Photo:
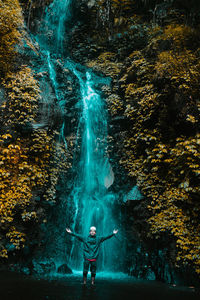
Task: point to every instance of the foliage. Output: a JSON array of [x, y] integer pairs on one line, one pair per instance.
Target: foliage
[[23, 93], [23, 159], [106, 62], [115, 104], [157, 90], [24, 153], [30, 157], [167, 170], [11, 21]]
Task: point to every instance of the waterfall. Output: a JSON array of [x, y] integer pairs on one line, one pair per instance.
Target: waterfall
[[93, 203]]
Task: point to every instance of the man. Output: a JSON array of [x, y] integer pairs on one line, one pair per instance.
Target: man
[[91, 250]]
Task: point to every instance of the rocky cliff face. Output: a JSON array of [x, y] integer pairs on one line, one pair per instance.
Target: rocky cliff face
[[151, 53], [31, 154]]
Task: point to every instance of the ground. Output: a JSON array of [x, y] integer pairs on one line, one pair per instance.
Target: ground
[[17, 287]]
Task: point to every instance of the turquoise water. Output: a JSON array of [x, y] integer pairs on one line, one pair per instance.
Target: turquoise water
[[94, 204], [100, 275]]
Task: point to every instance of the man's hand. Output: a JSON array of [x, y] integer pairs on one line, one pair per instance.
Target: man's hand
[[68, 230], [115, 231]]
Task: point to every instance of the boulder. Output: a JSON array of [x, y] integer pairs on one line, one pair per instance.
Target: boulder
[[64, 269], [43, 267]]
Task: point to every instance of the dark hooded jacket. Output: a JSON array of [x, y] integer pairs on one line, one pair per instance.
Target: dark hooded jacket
[[91, 244]]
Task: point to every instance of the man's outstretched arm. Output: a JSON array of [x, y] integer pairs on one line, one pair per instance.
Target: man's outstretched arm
[[103, 238], [78, 236]]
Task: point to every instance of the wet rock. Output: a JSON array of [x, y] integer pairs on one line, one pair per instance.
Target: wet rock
[[64, 269], [43, 268], [150, 275], [17, 268], [38, 198]]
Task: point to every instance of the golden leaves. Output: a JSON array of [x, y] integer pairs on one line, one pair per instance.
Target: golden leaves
[[115, 104], [19, 177], [4, 253], [11, 20], [178, 34], [106, 63], [15, 237], [24, 160], [23, 94], [165, 166]]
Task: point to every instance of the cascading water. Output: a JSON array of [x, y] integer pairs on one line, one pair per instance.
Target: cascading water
[[50, 39], [93, 203]]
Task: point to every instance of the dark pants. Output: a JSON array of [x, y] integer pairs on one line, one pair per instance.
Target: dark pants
[[89, 265]]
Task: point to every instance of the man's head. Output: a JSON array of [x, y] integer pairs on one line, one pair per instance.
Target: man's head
[[92, 230]]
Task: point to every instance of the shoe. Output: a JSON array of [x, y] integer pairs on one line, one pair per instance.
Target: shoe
[[92, 281]]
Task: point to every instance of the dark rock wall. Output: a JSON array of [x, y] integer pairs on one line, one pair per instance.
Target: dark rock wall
[[154, 114]]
